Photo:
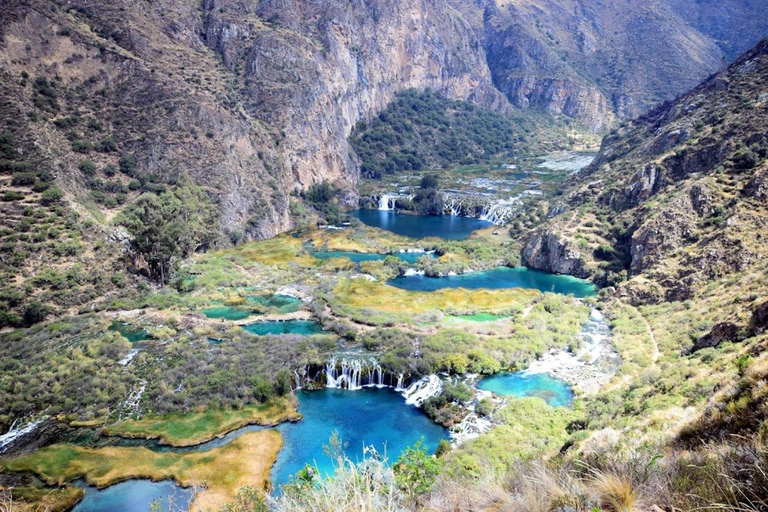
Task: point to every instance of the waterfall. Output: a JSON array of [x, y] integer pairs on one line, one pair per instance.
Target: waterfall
[[453, 205], [387, 202], [422, 389], [16, 432], [399, 385], [499, 212], [296, 380], [353, 373]]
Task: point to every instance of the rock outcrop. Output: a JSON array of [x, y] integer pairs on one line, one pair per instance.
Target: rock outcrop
[[546, 250], [724, 331]]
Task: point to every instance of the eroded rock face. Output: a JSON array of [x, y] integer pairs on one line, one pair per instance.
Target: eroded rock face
[[724, 331], [548, 251], [334, 64]]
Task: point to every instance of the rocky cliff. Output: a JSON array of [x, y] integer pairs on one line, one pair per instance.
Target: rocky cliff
[[676, 199]]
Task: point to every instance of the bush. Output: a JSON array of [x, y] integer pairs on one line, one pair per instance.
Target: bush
[[35, 313], [87, 167], [320, 193], [106, 146], [51, 196], [127, 165], [12, 195], [23, 179], [416, 471]]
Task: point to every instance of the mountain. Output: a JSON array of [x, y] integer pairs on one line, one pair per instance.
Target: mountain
[[674, 205], [255, 101]]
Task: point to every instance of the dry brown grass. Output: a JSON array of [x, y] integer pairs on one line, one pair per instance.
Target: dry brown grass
[[617, 493]]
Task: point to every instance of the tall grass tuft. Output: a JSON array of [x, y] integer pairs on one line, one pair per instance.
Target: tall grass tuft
[[617, 493]]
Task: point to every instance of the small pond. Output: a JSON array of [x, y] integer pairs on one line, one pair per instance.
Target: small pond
[[281, 303], [134, 496], [357, 257], [130, 332], [227, 313]]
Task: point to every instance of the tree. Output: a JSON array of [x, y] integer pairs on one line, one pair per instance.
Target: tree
[[415, 470], [170, 226], [429, 182]]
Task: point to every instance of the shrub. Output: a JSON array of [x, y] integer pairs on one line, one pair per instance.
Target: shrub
[[23, 179], [51, 196], [106, 146], [35, 313], [12, 195], [87, 167], [416, 471], [81, 146], [127, 165]]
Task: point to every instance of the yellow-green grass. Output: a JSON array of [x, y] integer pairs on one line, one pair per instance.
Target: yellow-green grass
[[361, 293], [359, 239], [197, 427], [35, 499], [219, 473], [280, 251]]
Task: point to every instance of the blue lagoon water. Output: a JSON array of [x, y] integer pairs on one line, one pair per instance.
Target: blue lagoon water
[[370, 416], [304, 327], [499, 278], [449, 227], [134, 496], [522, 384]]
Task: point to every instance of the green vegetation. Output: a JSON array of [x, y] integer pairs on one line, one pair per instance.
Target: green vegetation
[[197, 427], [72, 368], [170, 226], [416, 471], [322, 198], [426, 130]]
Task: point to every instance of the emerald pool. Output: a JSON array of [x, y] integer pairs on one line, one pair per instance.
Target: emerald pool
[[304, 327], [523, 384]]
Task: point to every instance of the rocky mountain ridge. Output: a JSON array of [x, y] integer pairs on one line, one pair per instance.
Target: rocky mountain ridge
[[675, 200]]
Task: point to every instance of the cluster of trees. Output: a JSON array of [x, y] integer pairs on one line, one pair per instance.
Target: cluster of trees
[[69, 367], [321, 197], [169, 226], [428, 200], [426, 130]]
